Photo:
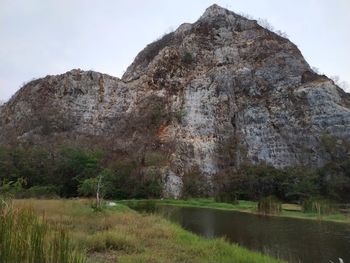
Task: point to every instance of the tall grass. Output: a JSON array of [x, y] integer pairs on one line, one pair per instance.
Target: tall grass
[[319, 206], [27, 238], [269, 206], [119, 234]]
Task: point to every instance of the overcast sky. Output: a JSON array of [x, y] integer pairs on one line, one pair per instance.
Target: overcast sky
[[41, 37]]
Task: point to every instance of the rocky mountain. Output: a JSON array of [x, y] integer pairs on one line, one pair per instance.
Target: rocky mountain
[[210, 94]]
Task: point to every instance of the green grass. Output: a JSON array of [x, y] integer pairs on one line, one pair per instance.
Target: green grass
[[288, 210], [119, 234], [28, 238]]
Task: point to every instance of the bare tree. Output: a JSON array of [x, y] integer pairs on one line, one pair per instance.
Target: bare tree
[[266, 24], [316, 70], [336, 79], [98, 191], [246, 16], [345, 86], [342, 84]]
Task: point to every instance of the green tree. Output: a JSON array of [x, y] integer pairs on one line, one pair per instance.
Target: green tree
[[300, 183], [73, 167], [194, 184]]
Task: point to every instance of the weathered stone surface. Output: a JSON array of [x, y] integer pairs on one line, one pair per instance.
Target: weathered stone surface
[[223, 80]]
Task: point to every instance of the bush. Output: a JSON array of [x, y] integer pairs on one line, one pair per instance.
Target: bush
[[269, 206], [49, 191], [12, 188], [180, 115], [187, 58]]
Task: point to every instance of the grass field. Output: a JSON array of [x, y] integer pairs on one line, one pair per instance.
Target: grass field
[[119, 234], [288, 210]]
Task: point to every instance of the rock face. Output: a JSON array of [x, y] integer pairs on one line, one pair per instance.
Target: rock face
[[211, 94]]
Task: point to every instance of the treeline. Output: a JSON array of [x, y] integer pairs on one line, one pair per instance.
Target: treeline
[[69, 172], [291, 184]]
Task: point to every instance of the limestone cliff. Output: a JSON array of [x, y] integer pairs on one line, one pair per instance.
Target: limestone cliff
[[211, 94]]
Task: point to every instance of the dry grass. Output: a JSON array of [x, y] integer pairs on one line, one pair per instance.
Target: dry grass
[[120, 234], [291, 207]]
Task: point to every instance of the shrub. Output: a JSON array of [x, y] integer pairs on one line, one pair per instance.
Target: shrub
[[154, 158], [180, 115], [12, 188], [269, 206], [49, 191], [187, 58]]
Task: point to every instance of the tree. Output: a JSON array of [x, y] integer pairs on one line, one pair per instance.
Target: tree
[[300, 183], [88, 187], [95, 187], [316, 70], [148, 183], [194, 184], [345, 86], [342, 84], [266, 24], [73, 167]]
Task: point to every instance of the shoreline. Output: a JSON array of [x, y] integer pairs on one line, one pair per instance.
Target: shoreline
[[247, 207]]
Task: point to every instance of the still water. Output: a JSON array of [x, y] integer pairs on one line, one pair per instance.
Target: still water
[[294, 240]]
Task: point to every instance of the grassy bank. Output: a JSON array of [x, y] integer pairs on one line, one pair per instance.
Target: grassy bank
[[288, 210], [119, 234]]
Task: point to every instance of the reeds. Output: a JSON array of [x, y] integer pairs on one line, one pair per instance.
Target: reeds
[[269, 206], [26, 237], [320, 206]]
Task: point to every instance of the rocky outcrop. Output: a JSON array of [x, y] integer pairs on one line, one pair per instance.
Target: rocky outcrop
[[210, 94]]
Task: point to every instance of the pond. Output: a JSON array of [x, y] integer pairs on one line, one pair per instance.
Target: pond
[[294, 240]]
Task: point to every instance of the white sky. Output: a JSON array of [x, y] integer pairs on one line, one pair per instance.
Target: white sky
[[41, 37]]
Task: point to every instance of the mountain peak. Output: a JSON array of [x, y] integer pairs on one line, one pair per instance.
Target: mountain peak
[[215, 11]]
